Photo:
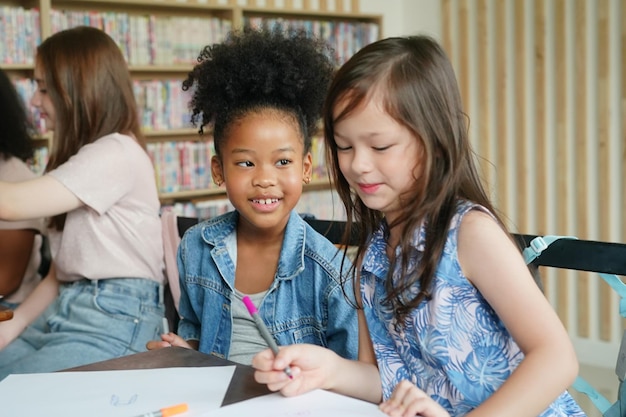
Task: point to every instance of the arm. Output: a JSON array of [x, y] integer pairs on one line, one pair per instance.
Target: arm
[[364, 370], [40, 197], [494, 265], [35, 304], [16, 247]]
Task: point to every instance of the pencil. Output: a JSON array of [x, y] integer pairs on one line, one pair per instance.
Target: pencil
[[167, 411], [263, 330]]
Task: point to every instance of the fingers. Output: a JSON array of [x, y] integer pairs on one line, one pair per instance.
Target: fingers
[[264, 360], [175, 340], [407, 400], [168, 340], [157, 344], [267, 371], [270, 369]]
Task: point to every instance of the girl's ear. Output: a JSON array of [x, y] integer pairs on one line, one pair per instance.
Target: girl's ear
[[216, 171], [307, 167]]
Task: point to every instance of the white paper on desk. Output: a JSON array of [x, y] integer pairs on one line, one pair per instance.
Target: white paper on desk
[[126, 393], [316, 403]]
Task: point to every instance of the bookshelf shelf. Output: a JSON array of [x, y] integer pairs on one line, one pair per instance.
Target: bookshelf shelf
[[161, 135], [207, 193], [154, 67]]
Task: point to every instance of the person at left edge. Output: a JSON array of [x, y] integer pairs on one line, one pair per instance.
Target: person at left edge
[[20, 242], [104, 295]]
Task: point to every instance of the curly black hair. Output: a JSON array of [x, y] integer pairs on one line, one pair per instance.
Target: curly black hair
[[258, 68], [15, 125]]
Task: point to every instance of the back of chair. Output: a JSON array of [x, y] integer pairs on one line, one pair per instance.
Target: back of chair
[[581, 255]]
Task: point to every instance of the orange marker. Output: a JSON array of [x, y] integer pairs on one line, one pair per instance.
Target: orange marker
[[167, 411]]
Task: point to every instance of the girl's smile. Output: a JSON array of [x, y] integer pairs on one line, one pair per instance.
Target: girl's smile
[[369, 188], [265, 204]]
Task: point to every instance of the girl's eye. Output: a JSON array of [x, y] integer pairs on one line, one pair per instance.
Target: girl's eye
[[343, 148], [43, 91], [284, 162], [244, 164], [381, 148]]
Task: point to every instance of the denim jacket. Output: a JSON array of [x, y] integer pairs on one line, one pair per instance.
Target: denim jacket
[[304, 304]]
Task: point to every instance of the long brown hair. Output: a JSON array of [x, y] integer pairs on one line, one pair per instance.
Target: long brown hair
[[91, 90], [420, 92]]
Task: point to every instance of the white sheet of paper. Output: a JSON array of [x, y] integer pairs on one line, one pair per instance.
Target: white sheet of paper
[[316, 403], [126, 393]]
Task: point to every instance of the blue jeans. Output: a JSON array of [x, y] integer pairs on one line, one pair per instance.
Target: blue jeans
[[90, 321]]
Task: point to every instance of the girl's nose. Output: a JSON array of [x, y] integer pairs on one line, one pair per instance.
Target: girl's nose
[[264, 178], [360, 161], [35, 99]]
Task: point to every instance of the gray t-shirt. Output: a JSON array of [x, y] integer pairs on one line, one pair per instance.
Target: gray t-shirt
[[246, 341]]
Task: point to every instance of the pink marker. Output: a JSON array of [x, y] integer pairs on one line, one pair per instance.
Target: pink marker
[[263, 330]]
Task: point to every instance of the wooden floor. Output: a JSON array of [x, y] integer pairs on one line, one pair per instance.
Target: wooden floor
[[602, 379]]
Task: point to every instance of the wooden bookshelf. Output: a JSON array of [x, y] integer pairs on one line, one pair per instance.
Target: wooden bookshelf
[[157, 64]]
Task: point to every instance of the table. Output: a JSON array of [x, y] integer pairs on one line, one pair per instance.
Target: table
[[242, 385]]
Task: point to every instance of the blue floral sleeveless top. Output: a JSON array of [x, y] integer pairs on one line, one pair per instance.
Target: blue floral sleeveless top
[[454, 346]]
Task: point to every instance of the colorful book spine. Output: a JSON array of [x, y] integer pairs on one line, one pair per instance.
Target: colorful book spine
[[182, 166]]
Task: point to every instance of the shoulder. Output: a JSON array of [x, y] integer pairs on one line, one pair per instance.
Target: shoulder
[[214, 228], [14, 169], [482, 241], [119, 142]]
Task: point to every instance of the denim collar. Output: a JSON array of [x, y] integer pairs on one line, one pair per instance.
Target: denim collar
[[291, 261]]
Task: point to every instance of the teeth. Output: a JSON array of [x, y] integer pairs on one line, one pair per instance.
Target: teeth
[[266, 201]]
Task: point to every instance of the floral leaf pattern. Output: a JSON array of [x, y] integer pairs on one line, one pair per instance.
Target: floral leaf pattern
[[453, 346]]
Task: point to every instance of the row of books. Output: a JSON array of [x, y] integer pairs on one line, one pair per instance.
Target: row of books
[[149, 39], [345, 37], [162, 104], [200, 210], [21, 33], [182, 166]]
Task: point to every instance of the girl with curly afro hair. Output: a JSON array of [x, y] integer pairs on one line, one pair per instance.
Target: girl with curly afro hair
[[261, 92]]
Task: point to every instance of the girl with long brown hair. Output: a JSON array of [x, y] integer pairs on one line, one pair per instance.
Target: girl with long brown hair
[[104, 295]]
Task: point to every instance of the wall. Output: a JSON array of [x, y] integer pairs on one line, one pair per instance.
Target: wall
[[406, 17]]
